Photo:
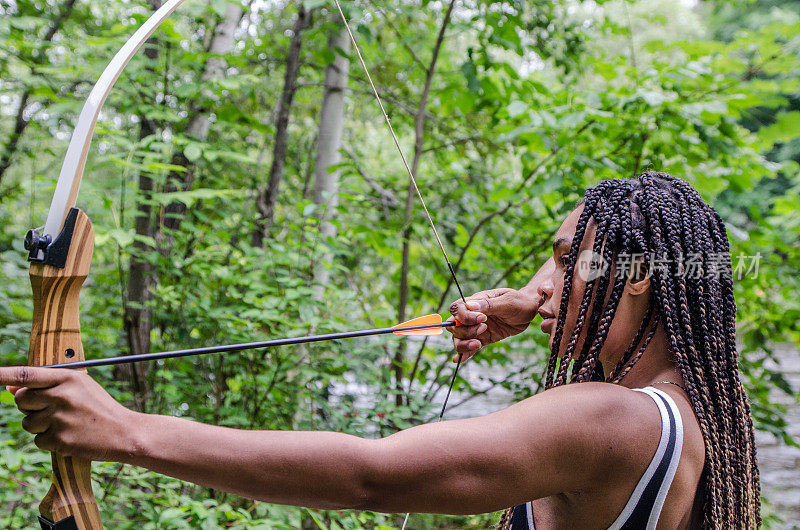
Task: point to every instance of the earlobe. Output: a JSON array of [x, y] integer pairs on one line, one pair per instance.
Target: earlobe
[[637, 286]]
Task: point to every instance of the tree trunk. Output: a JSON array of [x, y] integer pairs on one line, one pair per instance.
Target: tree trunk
[[200, 123], [136, 320], [419, 138], [20, 123], [268, 195], [329, 144]]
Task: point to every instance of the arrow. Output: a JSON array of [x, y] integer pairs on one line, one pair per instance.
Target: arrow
[[420, 326]]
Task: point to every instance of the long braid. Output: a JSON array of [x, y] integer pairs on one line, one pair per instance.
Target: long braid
[[580, 230], [601, 326], [702, 315], [606, 224], [665, 219]]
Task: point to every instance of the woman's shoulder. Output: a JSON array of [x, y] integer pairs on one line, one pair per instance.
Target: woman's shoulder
[[571, 438], [630, 433], [618, 406], [624, 425], [610, 428]]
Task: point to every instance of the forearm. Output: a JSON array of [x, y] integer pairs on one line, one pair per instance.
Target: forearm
[[313, 469], [433, 468]]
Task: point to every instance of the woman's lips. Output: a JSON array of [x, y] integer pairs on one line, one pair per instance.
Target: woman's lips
[[547, 325]]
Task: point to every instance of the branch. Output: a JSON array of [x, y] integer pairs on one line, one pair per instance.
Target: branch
[[386, 197]]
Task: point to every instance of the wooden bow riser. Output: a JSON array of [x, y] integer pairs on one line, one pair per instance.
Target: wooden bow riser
[[55, 339]]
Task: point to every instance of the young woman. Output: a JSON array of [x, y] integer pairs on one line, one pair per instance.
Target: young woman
[[638, 302]]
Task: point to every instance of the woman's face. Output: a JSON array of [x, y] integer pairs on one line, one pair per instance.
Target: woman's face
[[629, 313]]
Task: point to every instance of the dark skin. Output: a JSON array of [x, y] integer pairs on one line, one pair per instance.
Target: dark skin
[[578, 450]]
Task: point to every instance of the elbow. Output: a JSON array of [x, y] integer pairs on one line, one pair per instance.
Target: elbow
[[375, 481], [364, 498], [363, 494]]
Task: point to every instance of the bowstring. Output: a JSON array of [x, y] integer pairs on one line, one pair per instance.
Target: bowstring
[[419, 194]]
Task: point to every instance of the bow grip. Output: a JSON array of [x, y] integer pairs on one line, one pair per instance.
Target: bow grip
[[56, 338]]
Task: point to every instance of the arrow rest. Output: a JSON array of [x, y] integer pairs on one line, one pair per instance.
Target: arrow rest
[[65, 524], [42, 250]]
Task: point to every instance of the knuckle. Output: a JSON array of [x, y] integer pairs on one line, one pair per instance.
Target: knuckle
[[24, 375], [63, 439], [59, 394], [56, 445], [59, 421], [20, 398], [71, 377], [42, 441], [54, 395], [27, 423]]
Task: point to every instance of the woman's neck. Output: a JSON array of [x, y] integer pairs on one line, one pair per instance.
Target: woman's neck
[[656, 364]]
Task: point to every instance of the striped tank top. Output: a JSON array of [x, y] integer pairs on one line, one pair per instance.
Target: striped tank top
[[645, 503]]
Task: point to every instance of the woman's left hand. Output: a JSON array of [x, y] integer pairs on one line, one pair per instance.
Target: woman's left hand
[[70, 413]]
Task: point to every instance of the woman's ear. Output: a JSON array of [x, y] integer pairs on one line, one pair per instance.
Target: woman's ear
[[639, 282]]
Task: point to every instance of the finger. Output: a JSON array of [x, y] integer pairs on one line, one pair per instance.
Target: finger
[[464, 356], [37, 422], [484, 301], [33, 377], [468, 332], [464, 315], [13, 389], [467, 346], [46, 441], [502, 302], [31, 400]]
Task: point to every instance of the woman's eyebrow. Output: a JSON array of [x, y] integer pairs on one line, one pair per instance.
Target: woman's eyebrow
[[561, 241]]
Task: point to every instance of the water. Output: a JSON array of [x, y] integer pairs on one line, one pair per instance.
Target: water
[[779, 464]]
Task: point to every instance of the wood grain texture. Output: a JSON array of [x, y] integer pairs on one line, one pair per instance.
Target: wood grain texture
[[56, 338]]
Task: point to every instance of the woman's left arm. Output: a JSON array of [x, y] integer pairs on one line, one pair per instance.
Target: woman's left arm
[[527, 451]]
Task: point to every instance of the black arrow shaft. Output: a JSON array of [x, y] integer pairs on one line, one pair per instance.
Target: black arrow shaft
[[126, 359]]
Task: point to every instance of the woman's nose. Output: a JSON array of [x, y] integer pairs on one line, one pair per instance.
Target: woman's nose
[[545, 290]]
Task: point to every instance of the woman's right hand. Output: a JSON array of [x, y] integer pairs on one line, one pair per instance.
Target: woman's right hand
[[490, 316]]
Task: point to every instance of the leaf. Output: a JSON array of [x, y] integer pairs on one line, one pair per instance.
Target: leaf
[[309, 209], [311, 4], [784, 129], [516, 108], [193, 152], [652, 98], [189, 198]]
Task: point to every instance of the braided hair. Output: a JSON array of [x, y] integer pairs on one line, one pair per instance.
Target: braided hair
[[685, 246]]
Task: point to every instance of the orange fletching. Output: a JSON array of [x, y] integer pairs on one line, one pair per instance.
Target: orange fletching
[[434, 320]]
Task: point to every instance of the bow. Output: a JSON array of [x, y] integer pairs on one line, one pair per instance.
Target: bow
[[60, 253], [60, 256]]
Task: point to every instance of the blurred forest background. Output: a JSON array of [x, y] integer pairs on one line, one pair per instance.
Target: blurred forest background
[[243, 185]]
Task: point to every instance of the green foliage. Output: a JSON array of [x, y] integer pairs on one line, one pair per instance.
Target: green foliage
[[532, 102]]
